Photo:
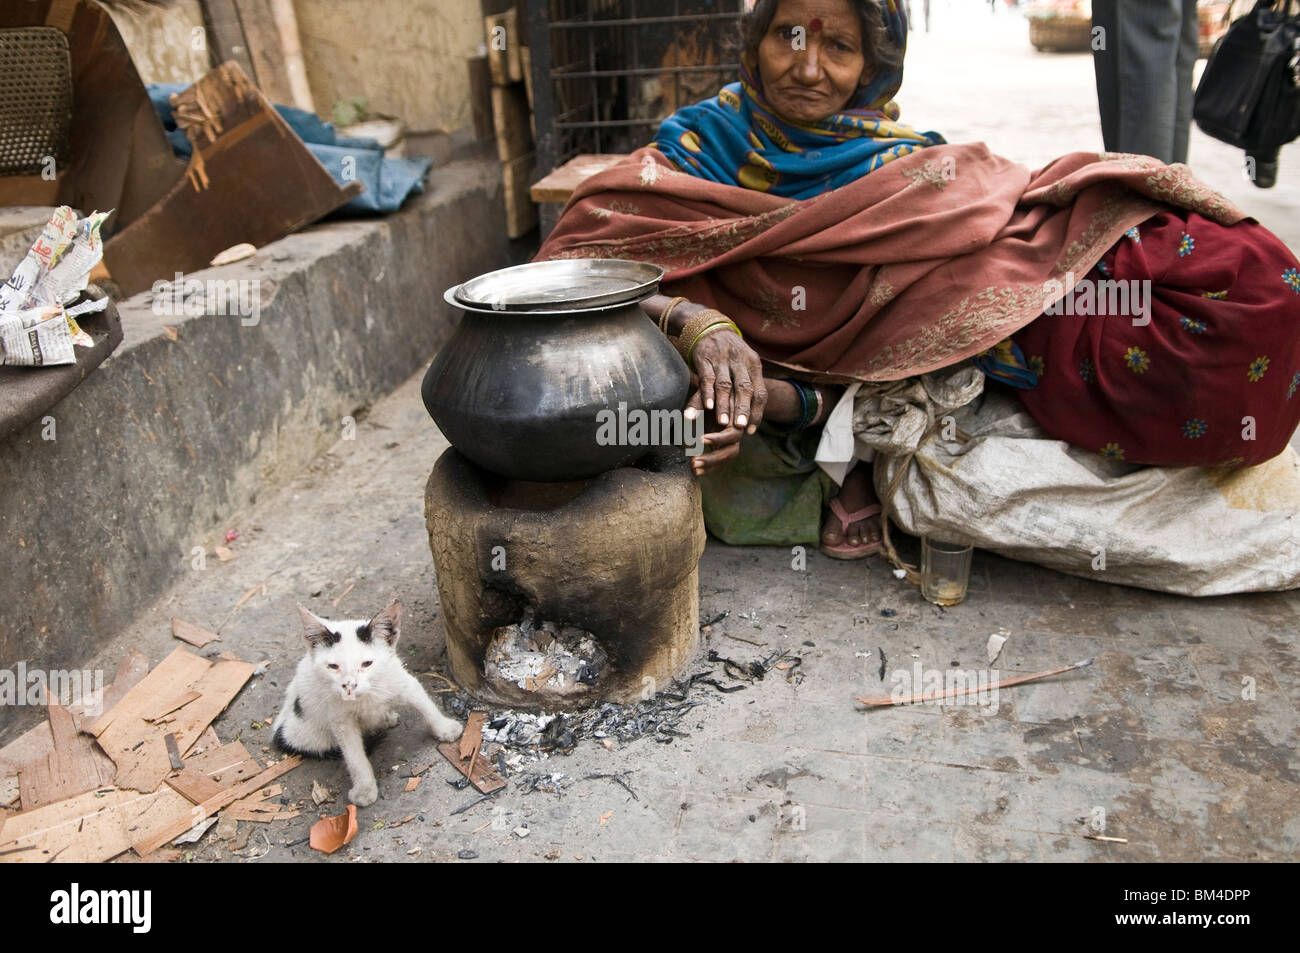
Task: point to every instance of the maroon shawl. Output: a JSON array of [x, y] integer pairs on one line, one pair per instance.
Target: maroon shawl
[[916, 266]]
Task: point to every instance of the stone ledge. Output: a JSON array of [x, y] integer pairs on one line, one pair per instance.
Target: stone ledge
[[171, 437]]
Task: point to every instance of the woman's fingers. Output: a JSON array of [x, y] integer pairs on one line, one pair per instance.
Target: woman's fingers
[[704, 368], [743, 397], [758, 406], [722, 447], [722, 387]]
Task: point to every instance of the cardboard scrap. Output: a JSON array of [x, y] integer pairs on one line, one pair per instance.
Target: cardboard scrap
[[331, 833], [195, 635], [412, 784]]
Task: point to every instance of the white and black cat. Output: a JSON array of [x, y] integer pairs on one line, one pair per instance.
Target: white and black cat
[[346, 691]]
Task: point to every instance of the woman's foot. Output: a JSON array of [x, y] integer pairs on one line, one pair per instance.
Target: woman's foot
[[852, 529]]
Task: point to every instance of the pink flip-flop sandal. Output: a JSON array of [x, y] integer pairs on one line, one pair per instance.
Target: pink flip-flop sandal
[[844, 550]]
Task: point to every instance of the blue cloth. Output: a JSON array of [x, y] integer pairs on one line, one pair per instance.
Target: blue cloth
[[388, 181], [1005, 362], [736, 138]]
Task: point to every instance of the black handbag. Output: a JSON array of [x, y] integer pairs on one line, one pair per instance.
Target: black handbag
[[1249, 94]]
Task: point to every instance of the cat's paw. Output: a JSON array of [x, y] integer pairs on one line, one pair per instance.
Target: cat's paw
[[364, 793], [392, 719], [446, 729]]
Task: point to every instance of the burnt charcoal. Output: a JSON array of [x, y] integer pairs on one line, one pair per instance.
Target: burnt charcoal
[[556, 736]]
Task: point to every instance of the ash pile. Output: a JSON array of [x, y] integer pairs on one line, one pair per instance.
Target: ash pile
[[513, 740], [561, 660]]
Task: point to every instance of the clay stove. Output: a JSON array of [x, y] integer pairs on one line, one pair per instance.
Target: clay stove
[[560, 595], [567, 565]]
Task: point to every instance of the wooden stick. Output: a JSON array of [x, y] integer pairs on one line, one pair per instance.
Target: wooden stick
[[886, 700]]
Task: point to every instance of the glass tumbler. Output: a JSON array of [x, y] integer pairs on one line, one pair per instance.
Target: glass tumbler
[[945, 570]]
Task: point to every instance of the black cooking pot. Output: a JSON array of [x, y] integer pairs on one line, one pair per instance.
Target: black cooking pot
[[541, 351]]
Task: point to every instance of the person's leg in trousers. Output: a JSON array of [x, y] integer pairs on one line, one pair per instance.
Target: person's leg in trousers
[[1186, 64], [1105, 63], [1141, 54]]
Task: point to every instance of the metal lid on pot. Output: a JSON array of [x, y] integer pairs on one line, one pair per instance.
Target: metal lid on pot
[[574, 285]]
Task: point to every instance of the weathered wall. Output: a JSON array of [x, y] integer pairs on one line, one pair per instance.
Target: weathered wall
[[407, 57], [162, 40], [179, 431]]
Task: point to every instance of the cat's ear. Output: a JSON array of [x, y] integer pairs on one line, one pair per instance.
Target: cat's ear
[[314, 630], [387, 624]]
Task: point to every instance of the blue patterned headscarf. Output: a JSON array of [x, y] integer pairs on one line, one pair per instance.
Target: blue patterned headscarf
[[736, 138]]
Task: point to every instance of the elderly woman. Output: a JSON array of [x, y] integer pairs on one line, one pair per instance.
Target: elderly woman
[[814, 245]]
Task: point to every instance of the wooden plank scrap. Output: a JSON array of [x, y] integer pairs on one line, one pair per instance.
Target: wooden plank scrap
[[38, 741], [510, 121], [503, 45], [218, 686], [248, 809], [225, 33], [167, 707], [70, 769], [195, 635], [195, 786], [558, 185], [89, 828], [101, 824], [463, 755], [266, 50], [226, 764], [521, 212], [135, 745], [471, 736], [480, 96], [173, 827]]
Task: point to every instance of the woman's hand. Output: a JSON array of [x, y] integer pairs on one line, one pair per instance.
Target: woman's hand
[[731, 385]]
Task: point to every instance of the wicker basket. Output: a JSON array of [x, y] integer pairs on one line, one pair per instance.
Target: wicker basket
[[1062, 33]]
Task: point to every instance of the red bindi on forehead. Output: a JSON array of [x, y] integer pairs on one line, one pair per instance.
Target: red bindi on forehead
[[816, 25]]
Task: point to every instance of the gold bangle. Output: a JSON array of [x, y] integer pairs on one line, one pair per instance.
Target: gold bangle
[[667, 313], [693, 326], [718, 326]]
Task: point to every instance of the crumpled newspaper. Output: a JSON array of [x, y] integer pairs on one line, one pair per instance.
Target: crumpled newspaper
[[37, 328]]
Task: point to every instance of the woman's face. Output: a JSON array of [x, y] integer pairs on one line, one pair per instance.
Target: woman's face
[[811, 59]]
